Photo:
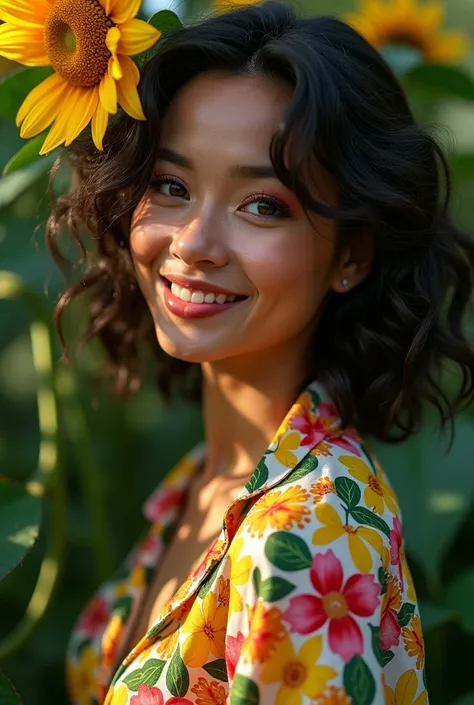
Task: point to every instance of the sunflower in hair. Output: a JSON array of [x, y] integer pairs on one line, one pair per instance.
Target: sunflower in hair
[[88, 43]]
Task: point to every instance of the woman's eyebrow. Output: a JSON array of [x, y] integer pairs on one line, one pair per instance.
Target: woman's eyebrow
[[238, 171]]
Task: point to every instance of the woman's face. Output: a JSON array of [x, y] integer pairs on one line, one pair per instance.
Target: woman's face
[[216, 225]]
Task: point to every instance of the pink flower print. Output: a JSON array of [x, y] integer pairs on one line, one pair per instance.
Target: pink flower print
[[160, 502], [325, 426], [233, 647], [95, 617], [154, 696], [396, 548], [336, 602]]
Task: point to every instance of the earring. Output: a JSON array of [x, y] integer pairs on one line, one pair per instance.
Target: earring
[[345, 283]]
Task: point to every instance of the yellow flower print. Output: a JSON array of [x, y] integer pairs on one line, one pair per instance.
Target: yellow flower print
[[117, 696], [333, 529], [266, 632], [405, 691], [167, 646], [284, 453], [322, 449], [322, 487], [239, 573], [223, 591], [413, 638], [206, 625], [333, 696], [82, 676], [279, 509], [378, 492], [298, 673]]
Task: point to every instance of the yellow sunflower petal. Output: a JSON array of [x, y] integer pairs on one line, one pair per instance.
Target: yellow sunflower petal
[[52, 85], [112, 41], [449, 47], [127, 91], [80, 117], [108, 91], [137, 36], [24, 13], [43, 114], [23, 44], [124, 10], [360, 554], [433, 16], [57, 134], [108, 6]]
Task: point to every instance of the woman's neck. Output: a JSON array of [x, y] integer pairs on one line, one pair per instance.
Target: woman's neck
[[244, 402]]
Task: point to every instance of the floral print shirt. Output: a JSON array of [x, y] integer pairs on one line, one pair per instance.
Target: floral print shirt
[[304, 599]]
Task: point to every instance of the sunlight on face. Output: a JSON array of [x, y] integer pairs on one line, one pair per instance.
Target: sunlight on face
[[215, 213]]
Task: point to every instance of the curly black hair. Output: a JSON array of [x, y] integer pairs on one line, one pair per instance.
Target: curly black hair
[[381, 348]]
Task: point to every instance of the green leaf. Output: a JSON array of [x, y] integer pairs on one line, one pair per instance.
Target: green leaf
[[28, 154], [15, 184], [359, 682], [315, 398], [383, 579], [441, 81], [348, 491], [459, 594], [15, 87], [165, 21], [8, 694], [177, 676], [365, 516], [207, 584], [274, 588], [287, 551], [462, 166], [434, 616], [405, 614], [20, 519], [382, 656], [244, 691], [123, 607], [259, 477], [257, 579], [147, 675], [308, 464], [217, 669]]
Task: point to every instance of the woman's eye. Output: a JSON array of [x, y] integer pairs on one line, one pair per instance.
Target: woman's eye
[[266, 208], [169, 187]]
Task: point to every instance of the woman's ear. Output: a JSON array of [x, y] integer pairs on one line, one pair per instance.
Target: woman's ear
[[354, 264]]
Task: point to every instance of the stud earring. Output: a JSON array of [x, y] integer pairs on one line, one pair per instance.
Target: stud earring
[[345, 283]]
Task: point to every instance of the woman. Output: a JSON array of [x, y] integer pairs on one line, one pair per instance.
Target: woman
[[279, 227]]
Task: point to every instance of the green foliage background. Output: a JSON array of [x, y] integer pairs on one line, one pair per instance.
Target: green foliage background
[[113, 454]]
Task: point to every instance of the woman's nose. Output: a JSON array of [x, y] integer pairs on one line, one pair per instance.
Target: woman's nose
[[199, 241]]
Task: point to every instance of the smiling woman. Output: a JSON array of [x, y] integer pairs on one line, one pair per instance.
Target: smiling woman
[[278, 229]]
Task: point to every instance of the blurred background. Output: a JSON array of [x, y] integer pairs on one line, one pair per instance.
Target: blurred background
[[113, 454]]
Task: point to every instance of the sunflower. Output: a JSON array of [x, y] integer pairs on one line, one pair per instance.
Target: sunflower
[[88, 43], [407, 23]]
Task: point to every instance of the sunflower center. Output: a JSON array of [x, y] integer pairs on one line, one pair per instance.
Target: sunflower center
[[335, 605], [374, 485], [74, 33], [295, 674]]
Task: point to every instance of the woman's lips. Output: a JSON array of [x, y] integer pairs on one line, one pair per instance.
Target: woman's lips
[[186, 309]]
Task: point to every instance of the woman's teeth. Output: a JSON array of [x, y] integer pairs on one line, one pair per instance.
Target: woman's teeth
[[199, 297]]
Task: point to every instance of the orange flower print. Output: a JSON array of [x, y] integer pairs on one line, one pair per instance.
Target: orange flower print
[[389, 626], [206, 625], [167, 646], [333, 696], [266, 631], [413, 638], [209, 693], [321, 488], [398, 558], [298, 672], [378, 492], [279, 510], [405, 691], [223, 591], [322, 449]]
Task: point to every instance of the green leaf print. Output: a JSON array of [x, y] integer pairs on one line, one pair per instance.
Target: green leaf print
[[257, 580], [308, 464], [208, 582], [287, 551], [273, 589], [259, 477], [365, 516], [217, 669], [147, 675], [348, 491], [405, 614], [244, 691], [359, 682], [383, 580], [382, 656], [315, 398], [177, 676]]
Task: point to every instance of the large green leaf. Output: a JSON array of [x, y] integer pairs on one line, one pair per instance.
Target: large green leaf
[[8, 694], [459, 599], [15, 87], [164, 20], [20, 518], [15, 184], [28, 154], [440, 82], [434, 487]]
